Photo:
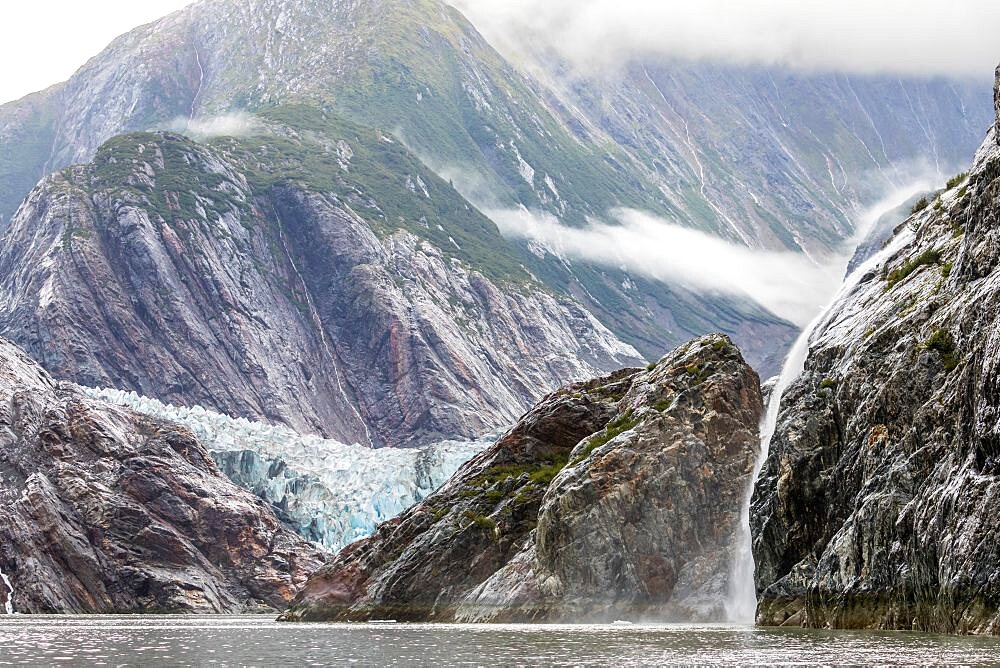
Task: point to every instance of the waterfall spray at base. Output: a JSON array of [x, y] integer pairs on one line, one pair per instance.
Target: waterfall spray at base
[[741, 603]]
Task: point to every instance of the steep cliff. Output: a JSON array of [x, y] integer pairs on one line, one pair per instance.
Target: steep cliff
[[301, 275], [615, 497], [103, 510], [877, 507]]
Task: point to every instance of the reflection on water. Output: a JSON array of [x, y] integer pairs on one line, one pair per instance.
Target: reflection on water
[[232, 641]]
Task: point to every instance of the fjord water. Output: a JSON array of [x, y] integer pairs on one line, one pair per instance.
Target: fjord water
[[257, 641]]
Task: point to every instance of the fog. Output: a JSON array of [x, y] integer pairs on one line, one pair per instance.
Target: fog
[[788, 284], [906, 37], [236, 124]]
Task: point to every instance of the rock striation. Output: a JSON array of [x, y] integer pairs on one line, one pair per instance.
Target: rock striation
[[877, 506], [103, 510], [327, 299], [617, 497]]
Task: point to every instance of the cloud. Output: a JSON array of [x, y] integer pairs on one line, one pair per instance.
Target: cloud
[[784, 283], [235, 124], [788, 284], [906, 37]]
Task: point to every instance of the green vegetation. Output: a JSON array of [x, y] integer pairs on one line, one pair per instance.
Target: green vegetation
[[482, 521], [919, 205], [827, 384], [615, 428], [955, 180], [946, 269], [943, 344], [370, 172], [539, 473], [70, 233], [182, 189], [662, 405], [700, 373], [381, 181], [929, 256], [25, 148], [650, 366]]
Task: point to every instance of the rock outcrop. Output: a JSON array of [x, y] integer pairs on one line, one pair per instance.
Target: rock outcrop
[[613, 498], [103, 510], [878, 504]]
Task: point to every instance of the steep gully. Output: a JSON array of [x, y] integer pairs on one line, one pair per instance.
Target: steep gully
[[741, 604]]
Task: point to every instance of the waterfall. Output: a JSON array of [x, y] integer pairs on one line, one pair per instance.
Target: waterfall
[[9, 603], [741, 607], [741, 602]]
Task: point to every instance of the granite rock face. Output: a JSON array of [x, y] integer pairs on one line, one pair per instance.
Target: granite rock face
[[877, 507], [611, 498], [106, 511]]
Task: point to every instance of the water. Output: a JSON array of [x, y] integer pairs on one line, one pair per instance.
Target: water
[[256, 641]]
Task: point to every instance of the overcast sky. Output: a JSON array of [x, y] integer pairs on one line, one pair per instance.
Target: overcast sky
[[43, 42], [916, 37]]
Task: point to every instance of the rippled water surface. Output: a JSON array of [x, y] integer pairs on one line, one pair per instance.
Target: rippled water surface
[[217, 641]]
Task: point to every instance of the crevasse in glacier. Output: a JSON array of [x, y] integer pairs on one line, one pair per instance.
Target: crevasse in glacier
[[329, 492]]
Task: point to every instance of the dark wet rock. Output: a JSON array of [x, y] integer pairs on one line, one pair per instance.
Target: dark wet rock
[[616, 497], [878, 505], [103, 510]]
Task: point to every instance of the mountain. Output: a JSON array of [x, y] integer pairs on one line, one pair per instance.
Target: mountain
[[613, 498], [319, 225], [547, 139], [103, 510], [297, 276], [877, 504], [770, 157]]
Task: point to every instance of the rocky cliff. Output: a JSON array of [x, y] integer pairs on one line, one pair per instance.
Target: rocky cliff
[[877, 507], [293, 276], [106, 511], [617, 497]]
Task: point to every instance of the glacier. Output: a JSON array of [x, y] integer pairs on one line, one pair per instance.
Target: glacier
[[329, 492]]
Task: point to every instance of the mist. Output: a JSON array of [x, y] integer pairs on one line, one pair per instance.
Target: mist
[[788, 284], [235, 124], [904, 37]]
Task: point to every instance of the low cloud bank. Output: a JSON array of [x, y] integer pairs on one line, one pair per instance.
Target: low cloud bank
[[907, 37], [787, 284]]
